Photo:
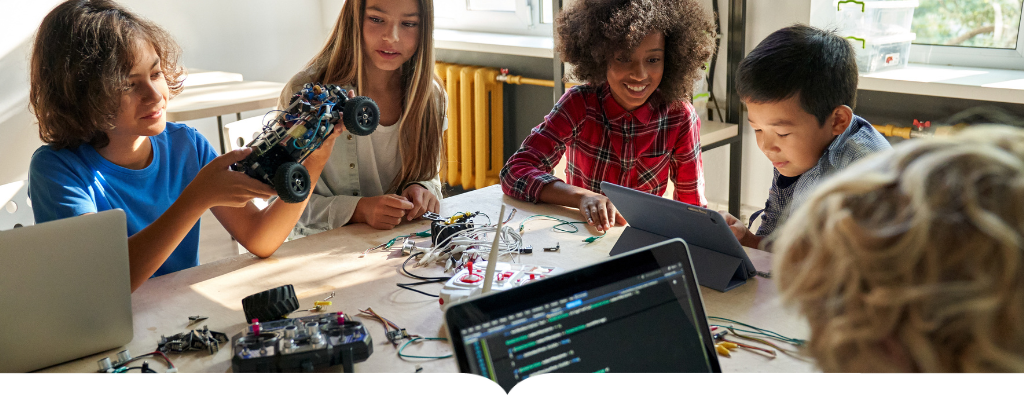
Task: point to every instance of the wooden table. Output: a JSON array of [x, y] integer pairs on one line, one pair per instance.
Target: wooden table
[[329, 261], [221, 98]]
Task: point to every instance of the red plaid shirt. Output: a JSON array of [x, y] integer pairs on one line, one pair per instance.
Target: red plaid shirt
[[641, 149]]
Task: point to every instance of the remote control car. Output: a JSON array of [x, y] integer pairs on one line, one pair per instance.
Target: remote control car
[[300, 129]]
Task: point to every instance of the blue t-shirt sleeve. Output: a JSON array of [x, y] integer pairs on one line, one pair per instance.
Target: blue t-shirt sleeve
[[203, 147], [57, 187]]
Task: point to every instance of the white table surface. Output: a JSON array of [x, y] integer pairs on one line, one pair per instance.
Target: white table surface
[[329, 261], [218, 99]]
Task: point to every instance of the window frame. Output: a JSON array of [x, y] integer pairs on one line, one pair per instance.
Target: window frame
[[455, 15], [992, 58]]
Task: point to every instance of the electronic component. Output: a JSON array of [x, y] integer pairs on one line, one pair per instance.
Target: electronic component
[[408, 247], [301, 344], [553, 249], [396, 336], [298, 130], [441, 232], [469, 281], [196, 339], [124, 358]]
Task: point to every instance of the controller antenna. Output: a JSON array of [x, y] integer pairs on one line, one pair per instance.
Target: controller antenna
[[492, 260]]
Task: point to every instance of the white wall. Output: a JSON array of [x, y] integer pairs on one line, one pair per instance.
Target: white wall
[[266, 40], [19, 136], [763, 18], [270, 40]]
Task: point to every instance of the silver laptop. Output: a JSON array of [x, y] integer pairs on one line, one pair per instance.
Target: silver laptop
[[65, 290]]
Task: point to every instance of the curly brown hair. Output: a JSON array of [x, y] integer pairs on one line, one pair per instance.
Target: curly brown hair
[[592, 32], [81, 59], [913, 259]]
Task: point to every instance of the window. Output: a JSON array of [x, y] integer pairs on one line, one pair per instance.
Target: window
[[546, 12], [524, 17], [491, 5], [982, 33]]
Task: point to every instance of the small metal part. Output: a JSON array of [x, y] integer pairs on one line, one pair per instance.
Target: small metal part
[[290, 332], [526, 250], [105, 365], [719, 333], [123, 356], [553, 249], [192, 320], [419, 369], [432, 216], [408, 247], [313, 330], [764, 274]]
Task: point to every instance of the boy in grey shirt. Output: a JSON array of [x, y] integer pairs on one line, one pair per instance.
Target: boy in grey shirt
[[800, 87]]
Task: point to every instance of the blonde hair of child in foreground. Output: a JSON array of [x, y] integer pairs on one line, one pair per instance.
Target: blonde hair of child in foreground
[[913, 260]]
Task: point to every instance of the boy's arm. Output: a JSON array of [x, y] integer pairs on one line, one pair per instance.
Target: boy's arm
[[214, 185], [263, 231], [57, 192], [686, 166]]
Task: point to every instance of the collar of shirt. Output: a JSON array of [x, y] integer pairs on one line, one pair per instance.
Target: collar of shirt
[[832, 155], [616, 112]]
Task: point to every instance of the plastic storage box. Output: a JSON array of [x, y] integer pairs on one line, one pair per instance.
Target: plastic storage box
[[874, 18], [882, 53]]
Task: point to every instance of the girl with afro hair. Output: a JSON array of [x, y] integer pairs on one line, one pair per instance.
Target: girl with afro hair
[[631, 121]]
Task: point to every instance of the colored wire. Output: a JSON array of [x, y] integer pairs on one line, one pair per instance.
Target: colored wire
[[487, 216], [368, 312], [557, 228], [166, 359], [751, 347], [426, 280], [419, 339], [510, 214], [124, 370], [758, 331], [765, 342]]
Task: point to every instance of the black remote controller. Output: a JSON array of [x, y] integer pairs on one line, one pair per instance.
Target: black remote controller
[[301, 344]]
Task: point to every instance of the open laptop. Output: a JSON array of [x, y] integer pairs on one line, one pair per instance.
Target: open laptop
[[720, 260], [637, 312], [65, 290]]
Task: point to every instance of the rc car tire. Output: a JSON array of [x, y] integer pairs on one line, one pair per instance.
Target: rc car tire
[[292, 182], [361, 115], [270, 304]]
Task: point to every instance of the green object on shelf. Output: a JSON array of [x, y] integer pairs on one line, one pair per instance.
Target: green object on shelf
[[861, 3]]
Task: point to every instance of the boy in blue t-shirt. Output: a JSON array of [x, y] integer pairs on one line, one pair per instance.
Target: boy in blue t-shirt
[[800, 86], [100, 81]]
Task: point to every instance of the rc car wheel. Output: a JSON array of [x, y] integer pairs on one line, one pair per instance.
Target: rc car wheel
[[270, 304], [361, 115], [292, 182]]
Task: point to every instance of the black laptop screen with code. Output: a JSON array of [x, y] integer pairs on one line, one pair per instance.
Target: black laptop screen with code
[[629, 314]]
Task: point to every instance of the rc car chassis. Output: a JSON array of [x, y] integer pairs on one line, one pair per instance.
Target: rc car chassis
[[298, 130]]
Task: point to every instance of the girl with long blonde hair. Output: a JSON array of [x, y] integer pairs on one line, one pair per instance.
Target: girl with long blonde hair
[[382, 49]]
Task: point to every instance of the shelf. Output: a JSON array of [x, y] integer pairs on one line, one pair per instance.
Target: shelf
[[516, 45], [714, 132], [994, 85]]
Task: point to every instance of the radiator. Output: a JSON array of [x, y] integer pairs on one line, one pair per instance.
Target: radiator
[[475, 125]]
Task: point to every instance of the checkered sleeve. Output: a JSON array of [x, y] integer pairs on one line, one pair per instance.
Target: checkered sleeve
[[529, 169], [778, 200], [687, 167]]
